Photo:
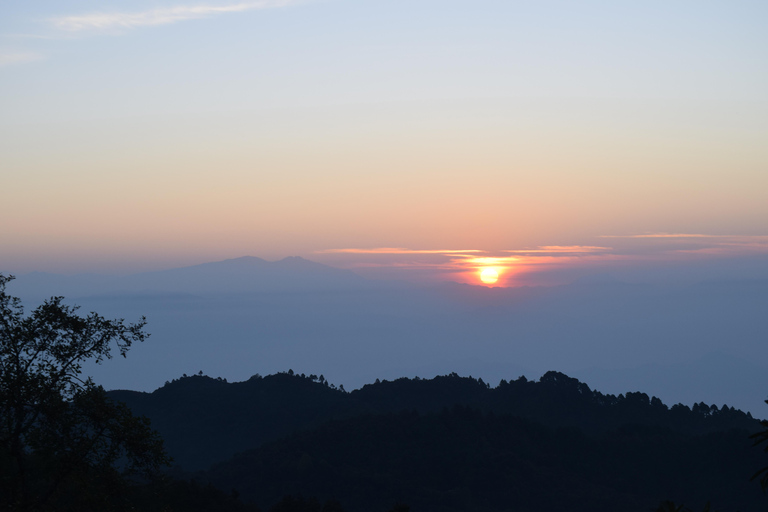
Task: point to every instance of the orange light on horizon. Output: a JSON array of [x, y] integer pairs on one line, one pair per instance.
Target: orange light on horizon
[[489, 270], [489, 275]]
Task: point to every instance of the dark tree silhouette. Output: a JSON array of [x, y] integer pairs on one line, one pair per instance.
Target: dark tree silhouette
[[300, 504], [762, 438], [64, 445], [671, 506]]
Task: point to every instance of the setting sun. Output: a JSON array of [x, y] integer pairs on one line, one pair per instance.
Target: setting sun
[[489, 275]]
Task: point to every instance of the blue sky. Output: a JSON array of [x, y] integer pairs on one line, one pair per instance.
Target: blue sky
[[140, 135]]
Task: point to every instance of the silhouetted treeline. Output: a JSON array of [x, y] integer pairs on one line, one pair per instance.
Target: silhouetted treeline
[[447, 444], [205, 420], [463, 459]]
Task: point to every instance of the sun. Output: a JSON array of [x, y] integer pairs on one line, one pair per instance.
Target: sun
[[489, 275]]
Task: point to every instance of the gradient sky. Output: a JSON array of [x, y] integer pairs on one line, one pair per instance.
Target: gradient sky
[[144, 135]]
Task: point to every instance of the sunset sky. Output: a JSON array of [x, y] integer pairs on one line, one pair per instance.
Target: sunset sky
[[401, 139]]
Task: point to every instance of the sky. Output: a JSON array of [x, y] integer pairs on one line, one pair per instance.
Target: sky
[[401, 139]]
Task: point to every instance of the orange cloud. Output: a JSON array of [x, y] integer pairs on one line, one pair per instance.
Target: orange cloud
[[486, 261], [512, 265], [397, 250], [667, 235], [561, 249]]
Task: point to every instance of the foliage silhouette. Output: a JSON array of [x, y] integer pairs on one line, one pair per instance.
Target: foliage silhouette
[[169, 495], [760, 438], [300, 504], [670, 506], [454, 443], [206, 420], [64, 444], [464, 459]]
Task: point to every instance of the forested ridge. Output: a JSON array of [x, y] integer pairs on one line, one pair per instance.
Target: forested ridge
[[453, 443]]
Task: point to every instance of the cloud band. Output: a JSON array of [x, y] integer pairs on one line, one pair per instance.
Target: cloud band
[[162, 16]]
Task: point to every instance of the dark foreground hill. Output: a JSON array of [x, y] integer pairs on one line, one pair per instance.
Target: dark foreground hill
[[465, 460], [454, 444], [205, 420]]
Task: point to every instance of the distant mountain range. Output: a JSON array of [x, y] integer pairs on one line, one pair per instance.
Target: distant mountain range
[[239, 275]]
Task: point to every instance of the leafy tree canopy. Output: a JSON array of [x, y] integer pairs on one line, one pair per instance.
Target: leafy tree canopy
[[64, 444]]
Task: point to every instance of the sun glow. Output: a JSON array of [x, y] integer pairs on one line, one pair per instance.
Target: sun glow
[[489, 275]]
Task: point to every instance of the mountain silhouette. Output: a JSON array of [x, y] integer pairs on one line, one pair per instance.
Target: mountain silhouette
[[205, 420], [247, 275], [243, 275], [452, 444]]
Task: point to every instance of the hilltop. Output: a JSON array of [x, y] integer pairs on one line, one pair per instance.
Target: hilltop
[[452, 443]]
